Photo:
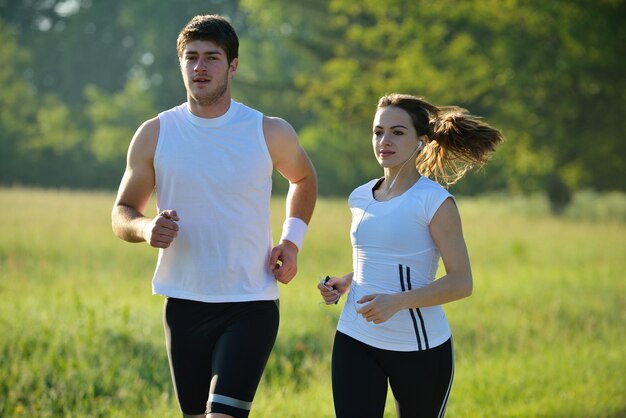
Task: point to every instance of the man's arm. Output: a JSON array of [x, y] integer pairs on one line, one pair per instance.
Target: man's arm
[[290, 159], [136, 187]]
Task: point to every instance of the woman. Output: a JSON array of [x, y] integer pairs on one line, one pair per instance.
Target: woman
[[392, 327]]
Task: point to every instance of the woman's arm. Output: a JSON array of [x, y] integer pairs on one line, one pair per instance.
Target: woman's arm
[[446, 231]]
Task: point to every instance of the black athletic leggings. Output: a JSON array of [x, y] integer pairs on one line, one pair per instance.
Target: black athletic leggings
[[218, 351], [420, 380]]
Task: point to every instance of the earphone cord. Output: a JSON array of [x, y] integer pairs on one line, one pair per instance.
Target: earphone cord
[[400, 170]]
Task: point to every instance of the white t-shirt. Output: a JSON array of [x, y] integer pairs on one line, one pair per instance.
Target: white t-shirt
[[217, 175], [393, 252]]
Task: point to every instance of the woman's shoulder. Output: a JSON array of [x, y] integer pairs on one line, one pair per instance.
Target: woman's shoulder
[[363, 191], [429, 195], [426, 185], [366, 187]]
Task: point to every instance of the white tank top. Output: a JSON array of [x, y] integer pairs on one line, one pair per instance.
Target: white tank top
[[393, 252], [217, 175]]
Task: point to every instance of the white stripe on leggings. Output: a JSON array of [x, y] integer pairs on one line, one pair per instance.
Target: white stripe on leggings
[[227, 400], [442, 411]]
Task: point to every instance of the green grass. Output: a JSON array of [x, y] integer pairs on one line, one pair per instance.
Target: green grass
[[542, 336]]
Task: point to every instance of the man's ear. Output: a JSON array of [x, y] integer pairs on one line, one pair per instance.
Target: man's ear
[[233, 67]]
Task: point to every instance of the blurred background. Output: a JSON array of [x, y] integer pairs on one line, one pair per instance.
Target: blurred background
[[77, 77], [543, 335]]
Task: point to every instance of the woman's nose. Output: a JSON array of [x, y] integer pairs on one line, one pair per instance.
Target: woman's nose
[[385, 139]]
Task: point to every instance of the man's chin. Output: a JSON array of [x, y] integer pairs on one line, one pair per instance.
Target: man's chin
[[208, 99]]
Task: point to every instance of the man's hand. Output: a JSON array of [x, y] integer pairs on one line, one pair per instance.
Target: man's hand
[[284, 261], [162, 229]]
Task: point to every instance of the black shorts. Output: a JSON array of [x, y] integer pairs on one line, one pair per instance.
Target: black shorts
[[217, 352], [420, 380]]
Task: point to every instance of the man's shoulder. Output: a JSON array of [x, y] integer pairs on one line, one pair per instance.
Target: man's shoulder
[[179, 109], [148, 133], [276, 122], [151, 126], [275, 128]]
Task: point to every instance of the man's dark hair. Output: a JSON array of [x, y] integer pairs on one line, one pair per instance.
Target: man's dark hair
[[213, 28]]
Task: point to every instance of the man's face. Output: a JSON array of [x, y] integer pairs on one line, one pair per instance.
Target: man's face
[[206, 72]]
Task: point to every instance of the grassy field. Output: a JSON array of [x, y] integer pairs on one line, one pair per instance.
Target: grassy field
[[543, 335]]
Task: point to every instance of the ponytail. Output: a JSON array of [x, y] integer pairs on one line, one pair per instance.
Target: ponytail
[[457, 141]]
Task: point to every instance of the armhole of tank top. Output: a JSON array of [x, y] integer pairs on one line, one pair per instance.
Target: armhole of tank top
[[157, 149], [262, 140]]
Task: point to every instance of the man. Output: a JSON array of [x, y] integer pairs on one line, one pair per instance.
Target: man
[[210, 161]]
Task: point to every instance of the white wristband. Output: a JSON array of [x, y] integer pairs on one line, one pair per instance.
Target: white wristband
[[294, 230]]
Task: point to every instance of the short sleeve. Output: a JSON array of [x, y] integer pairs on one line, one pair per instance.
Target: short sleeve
[[361, 195], [435, 198]]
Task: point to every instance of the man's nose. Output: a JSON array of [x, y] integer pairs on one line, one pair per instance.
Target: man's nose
[[200, 65]]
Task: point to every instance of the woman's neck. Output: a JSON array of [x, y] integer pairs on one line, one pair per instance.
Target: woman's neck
[[396, 183]]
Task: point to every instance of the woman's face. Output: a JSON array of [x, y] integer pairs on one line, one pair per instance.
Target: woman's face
[[394, 137]]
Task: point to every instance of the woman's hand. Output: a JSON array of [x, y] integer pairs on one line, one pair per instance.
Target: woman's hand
[[333, 287], [378, 308]]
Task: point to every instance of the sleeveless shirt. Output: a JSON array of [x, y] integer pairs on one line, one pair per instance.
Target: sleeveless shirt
[[217, 175], [393, 252]]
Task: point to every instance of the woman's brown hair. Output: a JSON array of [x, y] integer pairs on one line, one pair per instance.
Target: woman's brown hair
[[457, 141]]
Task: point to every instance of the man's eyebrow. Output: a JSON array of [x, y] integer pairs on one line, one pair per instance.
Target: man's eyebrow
[[194, 52]]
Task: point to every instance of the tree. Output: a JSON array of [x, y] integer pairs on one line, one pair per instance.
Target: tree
[[115, 117], [550, 74], [396, 46], [564, 95], [17, 108]]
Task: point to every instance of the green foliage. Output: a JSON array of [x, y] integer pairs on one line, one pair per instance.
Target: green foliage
[[56, 127], [17, 105], [282, 42], [549, 74], [114, 118], [589, 205], [340, 163], [541, 336], [533, 69], [567, 89]]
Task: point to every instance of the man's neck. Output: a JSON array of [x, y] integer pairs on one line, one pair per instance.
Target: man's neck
[[211, 111]]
